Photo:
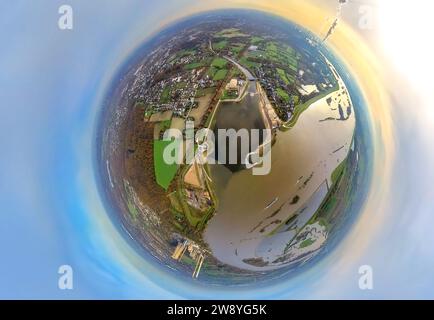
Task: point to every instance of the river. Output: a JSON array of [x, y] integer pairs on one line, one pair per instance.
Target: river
[[303, 159]]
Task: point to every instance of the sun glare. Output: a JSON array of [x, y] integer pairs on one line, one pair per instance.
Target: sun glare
[[405, 29]]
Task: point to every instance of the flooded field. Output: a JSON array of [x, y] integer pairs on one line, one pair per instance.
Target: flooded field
[[249, 229]]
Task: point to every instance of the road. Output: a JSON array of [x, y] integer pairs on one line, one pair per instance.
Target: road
[[246, 72]]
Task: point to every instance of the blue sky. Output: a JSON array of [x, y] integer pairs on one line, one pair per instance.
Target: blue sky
[[51, 86]]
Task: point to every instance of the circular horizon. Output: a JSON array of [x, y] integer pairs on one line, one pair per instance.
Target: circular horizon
[[362, 132]]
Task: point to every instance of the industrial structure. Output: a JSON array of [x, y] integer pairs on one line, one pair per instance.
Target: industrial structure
[[194, 251]]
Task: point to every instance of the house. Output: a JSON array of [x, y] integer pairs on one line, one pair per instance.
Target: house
[[232, 85]]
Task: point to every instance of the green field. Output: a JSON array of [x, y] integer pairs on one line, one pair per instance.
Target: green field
[[271, 51], [283, 55], [244, 61], [219, 63], [258, 54], [220, 75], [291, 78], [293, 65], [211, 71], [181, 54], [236, 49], [194, 65], [283, 94], [220, 45], [306, 243], [282, 75], [185, 52], [164, 173], [165, 95], [256, 40], [228, 95]]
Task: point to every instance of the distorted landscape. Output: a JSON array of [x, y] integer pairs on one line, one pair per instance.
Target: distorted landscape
[[219, 222]]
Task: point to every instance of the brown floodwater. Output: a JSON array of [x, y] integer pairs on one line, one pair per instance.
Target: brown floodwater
[[302, 161]]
